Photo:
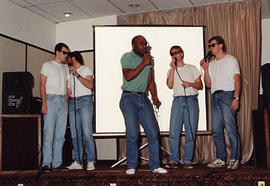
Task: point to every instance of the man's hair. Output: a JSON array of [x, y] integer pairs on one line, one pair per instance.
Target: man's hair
[[77, 56], [134, 39], [58, 47], [177, 47], [219, 40]]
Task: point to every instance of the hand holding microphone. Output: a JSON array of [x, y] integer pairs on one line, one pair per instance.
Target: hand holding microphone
[[205, 61], [72, 70], [208, 56]]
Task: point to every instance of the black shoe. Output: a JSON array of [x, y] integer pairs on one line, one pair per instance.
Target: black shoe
[[171, 164], [46, 168], [61, 168]]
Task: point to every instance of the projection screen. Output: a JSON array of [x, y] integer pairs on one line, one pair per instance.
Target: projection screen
[[111, 42]]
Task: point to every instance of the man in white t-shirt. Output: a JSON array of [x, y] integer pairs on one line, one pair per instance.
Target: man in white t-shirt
[[81, 112], [53, 89], [222, 75], [185, 80]]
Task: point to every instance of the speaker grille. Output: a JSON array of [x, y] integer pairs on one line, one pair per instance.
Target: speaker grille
[[17, 92]]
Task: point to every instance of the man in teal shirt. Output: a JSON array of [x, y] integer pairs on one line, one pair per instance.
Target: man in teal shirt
[[135, 105]]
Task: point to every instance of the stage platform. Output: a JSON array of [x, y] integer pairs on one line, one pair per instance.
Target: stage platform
[[104, 175]]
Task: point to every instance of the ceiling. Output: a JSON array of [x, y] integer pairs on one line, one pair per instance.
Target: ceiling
[[54, 10]]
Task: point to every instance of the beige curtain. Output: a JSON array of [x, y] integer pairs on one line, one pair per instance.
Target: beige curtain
[[239, 24]]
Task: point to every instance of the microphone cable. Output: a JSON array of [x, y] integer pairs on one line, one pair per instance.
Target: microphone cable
[[191, 129], [75, 118]]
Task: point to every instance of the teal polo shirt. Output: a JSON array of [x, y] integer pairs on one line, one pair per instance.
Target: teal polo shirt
[[139, 84]]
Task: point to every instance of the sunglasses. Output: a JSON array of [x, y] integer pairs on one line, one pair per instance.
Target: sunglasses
[[213, 45], [174, 53], [65, 53]]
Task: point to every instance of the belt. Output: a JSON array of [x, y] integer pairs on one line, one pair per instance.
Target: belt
[[133, 92], [218, 91]]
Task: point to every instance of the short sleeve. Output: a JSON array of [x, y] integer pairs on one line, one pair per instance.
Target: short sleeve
[[88, 71], [236, 67], [44, 69], [125, 61], [196, 72]]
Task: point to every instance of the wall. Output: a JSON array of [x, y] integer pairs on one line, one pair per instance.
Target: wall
[[265, 45], [265, 41], [26, 26], [78, 35]]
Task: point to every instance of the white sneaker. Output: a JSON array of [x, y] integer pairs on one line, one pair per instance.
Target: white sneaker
[[218, 163], [130, 171], [90, 166], [75, 166], [160, 170], [233, 164]]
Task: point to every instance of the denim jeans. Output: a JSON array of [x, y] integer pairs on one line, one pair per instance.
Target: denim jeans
[[137, 108], [224, 117], [83, 112], [54, 129], [185, 110]]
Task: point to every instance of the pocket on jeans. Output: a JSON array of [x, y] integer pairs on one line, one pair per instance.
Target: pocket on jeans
[[50, 97]]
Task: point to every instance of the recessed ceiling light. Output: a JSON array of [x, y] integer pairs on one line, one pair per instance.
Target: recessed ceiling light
[[133, 4], [67, 14]]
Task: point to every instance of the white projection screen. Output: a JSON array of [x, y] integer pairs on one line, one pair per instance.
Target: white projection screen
[[111, 42]]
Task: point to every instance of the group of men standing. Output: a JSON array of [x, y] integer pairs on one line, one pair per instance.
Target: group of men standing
[[66, 89], [59, 82]]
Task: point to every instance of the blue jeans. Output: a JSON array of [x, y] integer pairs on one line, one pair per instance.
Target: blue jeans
[[137, 108], [185, 110], [84, 114], [55, 122], [224, 117]]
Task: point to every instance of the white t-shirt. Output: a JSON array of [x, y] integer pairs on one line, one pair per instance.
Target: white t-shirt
[[80, 89], [222, 73], [187, 73], [57, 75]]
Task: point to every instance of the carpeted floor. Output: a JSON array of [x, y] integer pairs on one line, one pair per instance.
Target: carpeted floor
[[104, 175]]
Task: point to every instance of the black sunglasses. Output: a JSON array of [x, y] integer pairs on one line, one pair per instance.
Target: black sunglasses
[[174, 53], [65, 53], [213, 45]]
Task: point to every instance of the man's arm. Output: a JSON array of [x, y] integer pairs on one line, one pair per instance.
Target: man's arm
[[197, 84], [237, 89], [68, 91], [130, 74], [88, 81], [170, 78], [153, 89], [43, 80]]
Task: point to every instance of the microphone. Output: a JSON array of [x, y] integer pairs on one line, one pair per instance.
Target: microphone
[[148, 49], [69, 64], [208, 56], [175, 61]]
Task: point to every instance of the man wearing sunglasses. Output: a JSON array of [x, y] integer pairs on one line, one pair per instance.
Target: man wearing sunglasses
[[53, 89], [135, 105], [185, 80], [222, 75]]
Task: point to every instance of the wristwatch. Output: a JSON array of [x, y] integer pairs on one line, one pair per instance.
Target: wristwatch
[[237, 98]]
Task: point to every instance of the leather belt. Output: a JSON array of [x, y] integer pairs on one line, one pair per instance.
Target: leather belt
[[218, 91], [133, 92]]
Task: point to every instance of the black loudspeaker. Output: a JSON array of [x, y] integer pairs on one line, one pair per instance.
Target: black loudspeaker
[[20, 143], [17, 92], [259, 138]]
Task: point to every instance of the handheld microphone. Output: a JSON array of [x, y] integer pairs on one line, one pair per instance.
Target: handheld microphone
[[69, 64], [175, 61], [208, 56]]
